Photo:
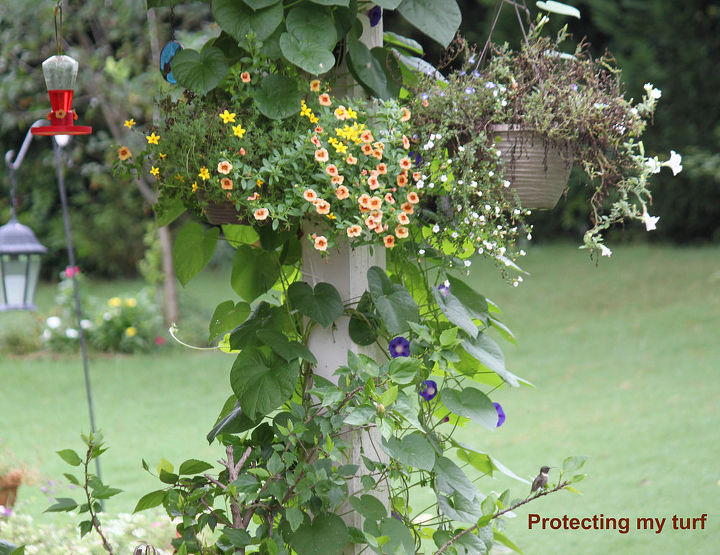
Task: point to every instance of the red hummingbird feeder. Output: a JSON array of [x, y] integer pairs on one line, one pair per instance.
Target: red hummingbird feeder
[[60, 72]]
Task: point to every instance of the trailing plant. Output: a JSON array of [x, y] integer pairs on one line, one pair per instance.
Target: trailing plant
[[574, 102]]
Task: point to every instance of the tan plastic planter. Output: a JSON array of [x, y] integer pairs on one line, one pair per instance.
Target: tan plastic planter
[[538, 173]]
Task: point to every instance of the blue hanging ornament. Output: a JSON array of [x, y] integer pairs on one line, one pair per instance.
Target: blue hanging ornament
[[166, 55]]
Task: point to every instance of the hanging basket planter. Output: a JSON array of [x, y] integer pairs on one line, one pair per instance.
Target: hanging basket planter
[[219, 213], [538, 172]]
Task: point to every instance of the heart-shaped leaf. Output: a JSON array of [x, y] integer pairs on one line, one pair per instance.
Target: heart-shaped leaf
[[308, 24], [200, 71], [326, 535], [193, 249], [414, 450], [471, 403], [454, 311], [262, 384], [311, 57], [323, 305], [363, 324], [288, 350], [488, 352], [239, 20], [259, 4], [227, 316], [438, 19], [278, 97], [393, 302], [254, 272], [367, 69]]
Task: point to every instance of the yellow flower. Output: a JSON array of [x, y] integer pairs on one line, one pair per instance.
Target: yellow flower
[[340, 148], [259, 182], [132, 303], [315, 85], [331, 216], [152, 139], [124, 153], [350, 113], [304, 110], [129, 123], [155, 171], [115, 302], [313, 119], [194, 186], [131, 332], [204, 174], [162, 156], [228, 117], [238, 130]]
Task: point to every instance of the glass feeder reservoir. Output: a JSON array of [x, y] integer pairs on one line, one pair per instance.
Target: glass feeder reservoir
[[20, 253], [60, 74]]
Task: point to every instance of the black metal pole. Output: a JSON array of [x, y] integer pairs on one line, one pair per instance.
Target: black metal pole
[[76, 292]]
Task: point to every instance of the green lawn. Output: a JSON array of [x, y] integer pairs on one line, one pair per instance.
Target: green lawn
[[623, 355]]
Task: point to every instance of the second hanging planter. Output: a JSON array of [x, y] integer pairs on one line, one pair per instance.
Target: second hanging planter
[[538, 171]]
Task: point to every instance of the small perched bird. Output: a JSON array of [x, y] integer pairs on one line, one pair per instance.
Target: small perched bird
[[541, 480]]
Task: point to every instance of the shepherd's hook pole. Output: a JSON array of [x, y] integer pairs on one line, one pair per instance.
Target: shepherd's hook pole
[[59, 142]]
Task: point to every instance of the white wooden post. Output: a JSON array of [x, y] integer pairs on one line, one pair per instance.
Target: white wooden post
[[346, 269]]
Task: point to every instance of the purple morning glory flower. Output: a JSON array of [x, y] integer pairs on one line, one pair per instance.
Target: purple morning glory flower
[[416, 158], [500, 413], [446, 419], [444, 288], [429, 390], [375, 14], [399, 347]]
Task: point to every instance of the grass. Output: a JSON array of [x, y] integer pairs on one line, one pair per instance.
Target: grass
[[623, 356]]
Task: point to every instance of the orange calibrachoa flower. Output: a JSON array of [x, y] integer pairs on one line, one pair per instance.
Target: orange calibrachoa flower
[[405, 163], [319, 130], [226, 183], [403, 218], [363, 200], [354, 231], [389, 198], [402, 180], [254, 196], [314, 140], [351, 160], [342, 192], [381, 168], [417, 176], [261, 213], [321, 243], [324, 99], [366, 137], [321, 155], [413, 197], [407, 208], [367, 149], [375, 203], [310, 195], [124, 153], [405, 115], [331, 170], [371, 222], [337, 179], [406, 142], [401, 232], [322, 206], [245, 77], [373, 182], [377, 153], [389, 241], [224, 167], [340, 113], [315, 85]]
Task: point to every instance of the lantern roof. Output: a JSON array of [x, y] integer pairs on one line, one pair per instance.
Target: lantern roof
[[16, 238]]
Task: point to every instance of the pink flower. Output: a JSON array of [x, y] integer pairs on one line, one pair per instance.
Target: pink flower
[[71, 271]]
